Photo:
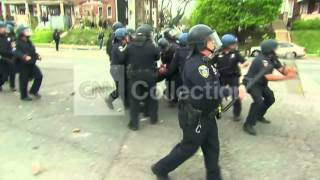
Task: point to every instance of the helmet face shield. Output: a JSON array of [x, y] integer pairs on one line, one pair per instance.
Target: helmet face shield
[[8, 29], [214, 37], [27, 32]]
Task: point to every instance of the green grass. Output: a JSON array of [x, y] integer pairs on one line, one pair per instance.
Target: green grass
[[82, 37], [42, 36], [308, 39]]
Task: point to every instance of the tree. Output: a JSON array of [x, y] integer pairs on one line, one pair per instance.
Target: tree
[[235, 15], [166, 16]]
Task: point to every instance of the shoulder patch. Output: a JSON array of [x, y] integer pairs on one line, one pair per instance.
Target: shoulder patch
[[204, 71], [265, 63]]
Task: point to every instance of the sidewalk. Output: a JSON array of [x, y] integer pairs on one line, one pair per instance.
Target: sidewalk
[[282, 34], [68, 46]]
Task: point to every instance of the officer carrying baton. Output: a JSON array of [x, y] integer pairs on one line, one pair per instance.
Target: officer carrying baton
[[250, 84]]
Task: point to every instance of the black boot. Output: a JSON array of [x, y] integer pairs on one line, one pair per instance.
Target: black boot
[[109, 102], [159, 177], [35, 95], [26, 98], [249, 129], [264, 121], [133, 127], [237, 118]]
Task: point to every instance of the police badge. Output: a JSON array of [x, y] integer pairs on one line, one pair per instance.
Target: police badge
[[204, 71]]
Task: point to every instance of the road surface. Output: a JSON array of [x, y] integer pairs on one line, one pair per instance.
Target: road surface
[[40, 133]]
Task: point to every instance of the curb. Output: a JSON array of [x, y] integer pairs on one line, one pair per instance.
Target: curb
[[69, 47]]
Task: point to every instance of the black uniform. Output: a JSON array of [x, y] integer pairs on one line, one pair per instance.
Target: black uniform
[[197, 119], [176, 67], [28, 69], [140, 59], [56, 37], [110, 44], [166, 58], [117, 72], [228, 67], [261, 94], [101, 39], [6, 62]]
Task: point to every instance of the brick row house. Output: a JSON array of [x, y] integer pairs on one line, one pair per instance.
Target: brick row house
[[63, 14], [96, 10], [130, 12]]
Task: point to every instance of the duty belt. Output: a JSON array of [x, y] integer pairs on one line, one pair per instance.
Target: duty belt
[[196, 115]]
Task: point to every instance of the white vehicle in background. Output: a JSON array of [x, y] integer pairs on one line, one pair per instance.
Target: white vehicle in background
[[285, 50]]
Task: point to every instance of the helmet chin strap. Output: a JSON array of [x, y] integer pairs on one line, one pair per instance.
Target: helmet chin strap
[[208, 54]]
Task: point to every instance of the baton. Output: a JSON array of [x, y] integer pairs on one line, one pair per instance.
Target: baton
[[250, 84]]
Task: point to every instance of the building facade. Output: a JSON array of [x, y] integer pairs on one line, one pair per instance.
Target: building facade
[[96, 10], [63, 14], [309, 9], [56, 14], [300, 9], [142, 11]]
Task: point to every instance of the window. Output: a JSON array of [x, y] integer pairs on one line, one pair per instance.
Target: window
[[109, 11], [100, 11]]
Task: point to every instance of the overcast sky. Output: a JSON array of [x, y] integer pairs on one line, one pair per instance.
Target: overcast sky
[[189, 9]]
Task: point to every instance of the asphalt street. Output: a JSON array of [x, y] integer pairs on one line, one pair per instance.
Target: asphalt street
[[68, 137]]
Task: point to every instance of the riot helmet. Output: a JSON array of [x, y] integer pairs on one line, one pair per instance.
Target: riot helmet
[[269, 46], [116, 26], [200, 35], [183, 39], [163, 43], [228, 40]]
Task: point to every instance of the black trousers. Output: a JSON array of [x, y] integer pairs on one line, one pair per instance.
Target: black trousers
[[207, 140], [57, 44], [118, 74], [142, 88], [263, 98], [231, 85], [29, 72], [172, 85], [8, 72]]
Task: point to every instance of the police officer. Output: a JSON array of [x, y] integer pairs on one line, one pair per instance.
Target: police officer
[[176, 66], [197, 107], [56, 38], [180, 55], [27, 55], [131, 33], [117, 68], [259, 90], [227, 61], [115, 26], [167, 54], [170, 35], [12, 66], [140, 57], [6, 57]]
